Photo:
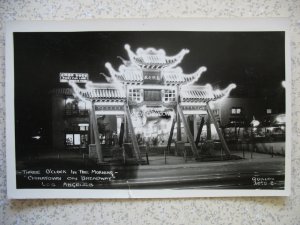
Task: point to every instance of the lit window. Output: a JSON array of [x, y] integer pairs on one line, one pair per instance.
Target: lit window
[[169, 95], [236, 111], [76, 139], [83, 126], [69, 139], [135, 95], [72, 139], [269, 111], [84, 140]]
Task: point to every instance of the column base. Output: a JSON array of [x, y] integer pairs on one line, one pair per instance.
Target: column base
[[179, 148]]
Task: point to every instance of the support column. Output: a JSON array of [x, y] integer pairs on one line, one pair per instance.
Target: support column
[[96, 134], [208, 128], [199, 131], [195, 118], [121, 134], [223, 142], [191, 124], [119, 120], [178, 138], [126, 133], [92, 139], [187, 131], [133, 137], [171, 134], [178, 126]]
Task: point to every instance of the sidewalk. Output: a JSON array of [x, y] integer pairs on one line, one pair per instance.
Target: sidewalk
[[158, 162]]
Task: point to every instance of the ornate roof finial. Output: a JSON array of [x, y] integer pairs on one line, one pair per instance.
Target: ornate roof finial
[[152, 58], [125, 62], [107, 78]]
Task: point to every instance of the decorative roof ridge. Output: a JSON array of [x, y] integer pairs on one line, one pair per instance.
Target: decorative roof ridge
[[184, 79], [115, 75], [159, 55], [193, 77], [121, 75], [93, 89], [91, 85], [206, 87], [195, 92], [78, 90], [220, 94], [176, 59]]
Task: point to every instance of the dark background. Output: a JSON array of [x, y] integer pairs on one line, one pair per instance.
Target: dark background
[[255, 61]]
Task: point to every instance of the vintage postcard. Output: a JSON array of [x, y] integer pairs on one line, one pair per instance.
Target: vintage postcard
[[148, 108]]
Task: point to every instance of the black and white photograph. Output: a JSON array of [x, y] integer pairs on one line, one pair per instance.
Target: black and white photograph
[[159, 112]]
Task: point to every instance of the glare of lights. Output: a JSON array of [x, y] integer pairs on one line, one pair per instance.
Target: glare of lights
[[283, 83], [36, 137], [81, 105], [213, 130], [254, 122], [148, 120], [69, 100], [83, 124], [280, 119]]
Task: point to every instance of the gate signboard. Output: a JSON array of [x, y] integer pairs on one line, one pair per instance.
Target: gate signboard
[[77, 77]]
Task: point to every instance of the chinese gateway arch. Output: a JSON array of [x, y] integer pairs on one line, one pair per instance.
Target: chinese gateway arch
[[150, 84]]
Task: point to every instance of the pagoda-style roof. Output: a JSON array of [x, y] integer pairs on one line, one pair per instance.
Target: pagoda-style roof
[[155, 66], [176, 76], [114, 93], [196, 93], [152, 62], [132, 74], [126, 74], [99, 92], [151, 58]]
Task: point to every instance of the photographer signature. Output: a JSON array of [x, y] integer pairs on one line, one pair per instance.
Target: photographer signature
[[263, 181]]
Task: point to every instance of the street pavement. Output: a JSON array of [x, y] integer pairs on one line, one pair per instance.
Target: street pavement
[[179, 173], [176, 172]]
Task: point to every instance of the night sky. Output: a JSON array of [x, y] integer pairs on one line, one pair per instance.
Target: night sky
[[252, 60]]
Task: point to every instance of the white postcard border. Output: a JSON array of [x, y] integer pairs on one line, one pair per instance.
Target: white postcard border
[[253, 24]]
